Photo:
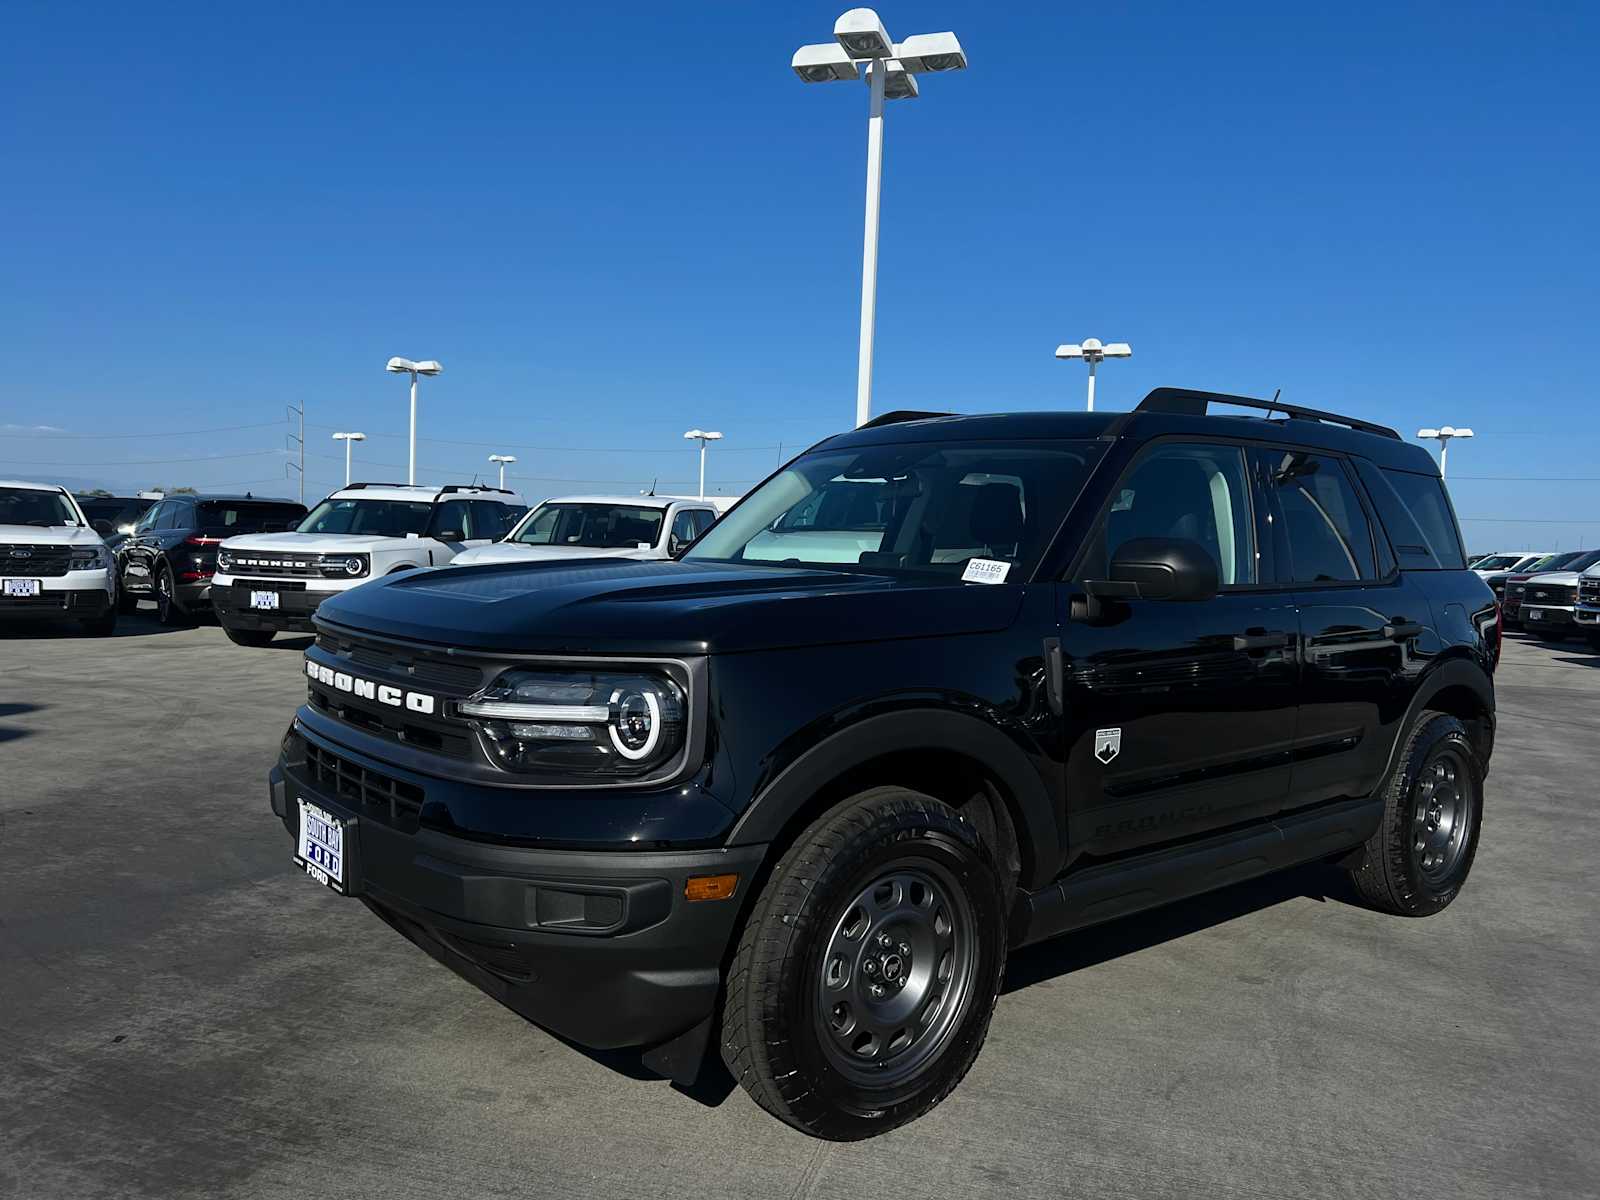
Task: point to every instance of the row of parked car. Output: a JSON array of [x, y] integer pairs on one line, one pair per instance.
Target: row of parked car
[[263, 565], [1555, 595]]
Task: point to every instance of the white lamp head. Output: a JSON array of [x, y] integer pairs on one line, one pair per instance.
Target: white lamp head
[[900, 84], [1070, 350], [931, 52], [502, 458], [1427, 433], [401, 365], [704, 435], [404, 366], [1118, 350], [349, 437], [824, 63], [861, 33]]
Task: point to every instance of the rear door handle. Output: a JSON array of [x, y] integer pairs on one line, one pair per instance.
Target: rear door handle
[[1399, 631], [1260, 641]]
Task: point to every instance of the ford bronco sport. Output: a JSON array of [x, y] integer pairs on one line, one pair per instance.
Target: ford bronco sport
[[989, 679]]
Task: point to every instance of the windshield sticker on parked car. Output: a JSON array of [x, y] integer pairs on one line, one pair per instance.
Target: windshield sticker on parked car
[[985, 570]]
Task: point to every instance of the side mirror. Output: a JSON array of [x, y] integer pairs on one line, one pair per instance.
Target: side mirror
[[102, 527], [675, 546], [1158, 569]]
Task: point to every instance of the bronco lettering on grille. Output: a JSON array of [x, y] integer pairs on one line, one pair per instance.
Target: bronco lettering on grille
[[366, 689]]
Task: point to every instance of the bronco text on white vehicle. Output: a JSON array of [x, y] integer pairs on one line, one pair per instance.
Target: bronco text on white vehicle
[[602, 527], [52, 562], [267, 582]]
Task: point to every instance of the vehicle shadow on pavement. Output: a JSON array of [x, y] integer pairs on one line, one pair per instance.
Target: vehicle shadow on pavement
[[10, 733], [1592, 661], [1140, 931]]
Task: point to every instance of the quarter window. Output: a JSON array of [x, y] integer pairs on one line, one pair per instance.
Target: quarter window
[[453, 516], [1329, 536], [1192, 491], [1423, 496]]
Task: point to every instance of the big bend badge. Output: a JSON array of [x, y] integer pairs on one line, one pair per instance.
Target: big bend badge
[[1107, 744]]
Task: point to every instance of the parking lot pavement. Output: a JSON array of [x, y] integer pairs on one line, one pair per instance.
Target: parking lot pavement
[[181, 1014]]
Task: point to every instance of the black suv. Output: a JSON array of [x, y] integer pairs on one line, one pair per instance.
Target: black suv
[[171, 554], [940, 687]]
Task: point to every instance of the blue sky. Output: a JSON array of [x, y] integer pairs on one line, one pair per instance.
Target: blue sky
[[614, 223]]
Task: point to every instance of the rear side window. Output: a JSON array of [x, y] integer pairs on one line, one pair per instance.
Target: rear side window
[[491, 518], [231, 517], [1425, 501], [1329, 536]]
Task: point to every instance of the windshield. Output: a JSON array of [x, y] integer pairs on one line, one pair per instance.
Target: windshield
[[1583, 561], [243, 516], [926, 507], [27, 506], [1497, 562], [368, 518], [594, 526]]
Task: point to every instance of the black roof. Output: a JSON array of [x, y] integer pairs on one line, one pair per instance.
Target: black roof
[[232, 498], [1171, 410]]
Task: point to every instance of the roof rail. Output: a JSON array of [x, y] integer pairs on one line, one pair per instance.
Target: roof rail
[[899, 415], [356, 487], [474, 487], [1192, 403]]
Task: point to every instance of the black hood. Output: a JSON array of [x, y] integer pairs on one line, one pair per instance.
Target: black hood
[[599, 606]]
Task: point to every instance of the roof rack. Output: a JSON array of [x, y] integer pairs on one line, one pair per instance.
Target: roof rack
[[474, 487], [356, 487], [899, 415], [1192, 403]]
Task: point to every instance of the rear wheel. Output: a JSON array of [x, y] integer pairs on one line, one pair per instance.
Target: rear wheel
[[1416, 862], [868, 969], [169, 610], [248, 637]]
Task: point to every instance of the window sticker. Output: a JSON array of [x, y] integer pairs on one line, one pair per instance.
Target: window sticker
[[985, 570]]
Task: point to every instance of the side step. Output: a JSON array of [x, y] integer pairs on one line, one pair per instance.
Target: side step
[[1132, 885]]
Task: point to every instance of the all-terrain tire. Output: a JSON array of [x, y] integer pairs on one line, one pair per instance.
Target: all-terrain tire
[[1422, 852], [782, 1036]]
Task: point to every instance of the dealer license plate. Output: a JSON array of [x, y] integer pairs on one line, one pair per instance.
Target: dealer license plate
[[268, 600], [1535, 614], [22, 587], [320, 848]]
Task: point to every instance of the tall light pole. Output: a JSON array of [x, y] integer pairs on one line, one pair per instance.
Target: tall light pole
[[1093, 352], [347, 439], [502, 459], [891, 70], [404, 366], [1442, 435], [702, 436]]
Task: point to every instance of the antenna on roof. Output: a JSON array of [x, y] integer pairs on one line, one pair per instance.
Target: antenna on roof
[[653, 483], [1276, 392]]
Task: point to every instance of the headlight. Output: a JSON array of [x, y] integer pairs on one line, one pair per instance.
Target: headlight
[[344, 565], [94, 558], [225, 560], [610, 724]]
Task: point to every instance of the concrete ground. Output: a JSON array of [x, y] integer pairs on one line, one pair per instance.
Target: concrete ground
[[181, 1014]]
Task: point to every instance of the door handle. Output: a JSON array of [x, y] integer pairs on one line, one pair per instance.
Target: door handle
[[1260, 641], [1400, 631]]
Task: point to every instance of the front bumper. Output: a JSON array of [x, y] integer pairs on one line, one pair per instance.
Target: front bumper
[[77, 594], [600, 947], [296, 604], [1541, 616]]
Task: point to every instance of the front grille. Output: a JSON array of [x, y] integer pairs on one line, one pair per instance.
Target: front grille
[[247, 562], [397, 725], [372, 793], [404, 663], [1559, 595], [34, 561]]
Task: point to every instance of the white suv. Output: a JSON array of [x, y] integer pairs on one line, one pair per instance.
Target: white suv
[[268, 582], [52, 562], [602, 527]]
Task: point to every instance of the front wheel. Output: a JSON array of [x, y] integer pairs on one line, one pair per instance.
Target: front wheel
[[1416, 862], [248, 637], [868, 970]]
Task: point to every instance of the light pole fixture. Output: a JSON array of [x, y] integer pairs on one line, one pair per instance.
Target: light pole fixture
[[891, 74], [703, 436], [1093, 352], [1442, 435], [404, 366], [502, 459], [347, 439]]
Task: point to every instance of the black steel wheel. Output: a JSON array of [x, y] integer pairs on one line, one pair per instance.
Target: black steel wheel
[[1421, 854], [868, 968]]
